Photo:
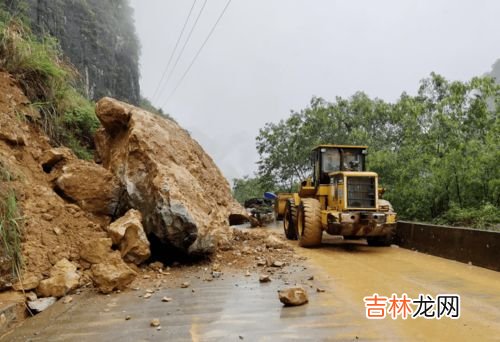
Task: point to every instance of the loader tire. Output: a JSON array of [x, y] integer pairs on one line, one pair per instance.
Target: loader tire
[[309, 223], [290, 220]]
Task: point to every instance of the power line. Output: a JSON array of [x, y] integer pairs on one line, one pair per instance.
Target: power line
[[173, 51], [197, 53], [169, 77]]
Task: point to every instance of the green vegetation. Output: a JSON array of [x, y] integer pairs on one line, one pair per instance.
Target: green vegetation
[[10, 230], [49, 83], [436, 152]]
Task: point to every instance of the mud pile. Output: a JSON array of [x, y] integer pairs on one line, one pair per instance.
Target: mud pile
[[85, 222]]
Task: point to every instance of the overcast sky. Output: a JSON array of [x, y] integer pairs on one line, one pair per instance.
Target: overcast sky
[[267, 57]]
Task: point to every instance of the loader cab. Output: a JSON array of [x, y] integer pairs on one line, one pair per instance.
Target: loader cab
[[333, 158]]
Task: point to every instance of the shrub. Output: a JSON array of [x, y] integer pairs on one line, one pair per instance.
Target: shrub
[[10, 230]]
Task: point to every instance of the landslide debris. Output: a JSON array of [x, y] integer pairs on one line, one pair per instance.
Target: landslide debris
[[83, 223]]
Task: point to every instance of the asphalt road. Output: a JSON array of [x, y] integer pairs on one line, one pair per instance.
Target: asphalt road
[[239, 308]]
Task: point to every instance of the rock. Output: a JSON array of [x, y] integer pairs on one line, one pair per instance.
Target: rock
[[91, 186], [127, 233], [28, 282], [310, 278], [147, 295], [155, 322], [278, 264], [293, 296], [185, 284], [57, 231], [248, 274], [157, 266], [96, 251], [166, 299], [52, 157], [31, 296], [41, 304], [112, 274], [319, 289], [264, 278], [67, 300], [184, 198], [216, 274], [261, 263], [63, 278], [274, 242], [128, 317]]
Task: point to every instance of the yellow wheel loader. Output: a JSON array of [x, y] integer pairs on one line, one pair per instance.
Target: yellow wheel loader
[[340, 198]]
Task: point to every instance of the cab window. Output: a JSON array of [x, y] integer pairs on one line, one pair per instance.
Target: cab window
[[330, 160]]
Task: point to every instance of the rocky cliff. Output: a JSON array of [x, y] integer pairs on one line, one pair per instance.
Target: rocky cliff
[[97, 36]]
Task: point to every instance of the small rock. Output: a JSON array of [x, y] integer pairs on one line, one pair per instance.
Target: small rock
[[166, 299], [156, 266], [149, 291], [216, 267], [319, 289], [158, 328], [248, 274], [155, 323], [293, 296], [264, 278], [278, 264], [310, 278], [146, 276], [31, 296], [41, 304], [261, 263], [185, 284], [47, 217], [147, 295], [216, 274], [127, 318], [57, 231], [67, 300]]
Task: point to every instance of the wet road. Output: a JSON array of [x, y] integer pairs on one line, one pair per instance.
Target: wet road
[[240, 308]]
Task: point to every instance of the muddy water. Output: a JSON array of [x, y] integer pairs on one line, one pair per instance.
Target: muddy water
[[236, 307], [354, 270]]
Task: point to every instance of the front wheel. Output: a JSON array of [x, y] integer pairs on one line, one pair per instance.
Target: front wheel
[[309, 223]]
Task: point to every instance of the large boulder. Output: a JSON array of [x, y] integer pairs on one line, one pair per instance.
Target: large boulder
[[113, 274], [91, 186], [168, 177], [128, 234], [63, 278]]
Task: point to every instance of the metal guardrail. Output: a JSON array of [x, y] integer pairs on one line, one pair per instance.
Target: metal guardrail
[[474, 246]]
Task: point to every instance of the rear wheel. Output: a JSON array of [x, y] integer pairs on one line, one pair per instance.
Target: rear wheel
[[309, 223], [290, 220]]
